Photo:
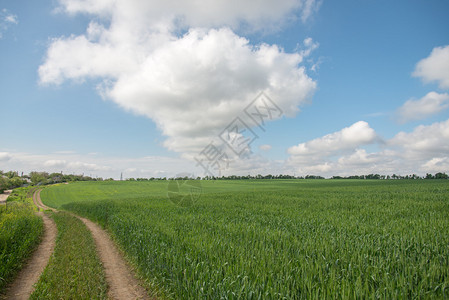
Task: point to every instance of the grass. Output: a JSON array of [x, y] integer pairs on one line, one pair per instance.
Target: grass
[[280, 239], [74, 271], [23, 194], [20, 234]]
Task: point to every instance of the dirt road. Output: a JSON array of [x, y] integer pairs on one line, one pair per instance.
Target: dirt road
[[119, 276], [122, 283], [22, 286], [38, 202], [4, 196]]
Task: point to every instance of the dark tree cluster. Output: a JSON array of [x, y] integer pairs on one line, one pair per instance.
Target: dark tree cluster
[[394, 176]]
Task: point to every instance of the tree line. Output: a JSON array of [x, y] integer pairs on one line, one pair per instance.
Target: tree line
[[12, 179], [269, 176]]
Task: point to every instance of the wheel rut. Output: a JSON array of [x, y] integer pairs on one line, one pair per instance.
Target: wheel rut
[[23, 285], [120, 277]]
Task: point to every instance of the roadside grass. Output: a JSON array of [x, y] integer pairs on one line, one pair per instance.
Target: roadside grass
[[74, 270], [20, 234], [23, 195]]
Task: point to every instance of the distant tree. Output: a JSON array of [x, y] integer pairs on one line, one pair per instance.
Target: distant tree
[[314, 177], [38, 177], [441, 176], [429, 176], [11, 174], [16, 182], [4, 183]]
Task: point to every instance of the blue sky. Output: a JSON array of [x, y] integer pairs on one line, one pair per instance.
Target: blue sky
[[104, 87]]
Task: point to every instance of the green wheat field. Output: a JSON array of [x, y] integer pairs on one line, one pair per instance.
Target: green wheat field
[[276, 239]]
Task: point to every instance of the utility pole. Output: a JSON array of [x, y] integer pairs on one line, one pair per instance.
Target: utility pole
[[121, 176]]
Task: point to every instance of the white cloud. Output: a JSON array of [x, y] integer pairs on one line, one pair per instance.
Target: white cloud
[[11, 19], [308, 46], [430, 104], [437, 164], [76, 165], [265, 147], [200, 13], [359, 158], [55, 163], [423, 150], [6, 19], [65, 152], [424, 142], [191, 85], [435, 68], [348, 138], [5, 156], [88, 167], [309, 7], [317, 169]]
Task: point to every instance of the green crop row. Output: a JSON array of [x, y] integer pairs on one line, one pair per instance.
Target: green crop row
[[74, 270], [280, 239]]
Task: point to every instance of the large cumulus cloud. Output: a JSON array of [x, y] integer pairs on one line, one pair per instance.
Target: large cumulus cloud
[[182, 64]]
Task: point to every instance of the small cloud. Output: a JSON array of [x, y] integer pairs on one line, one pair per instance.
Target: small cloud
[[6, 19], [430, 104], [56, 163], [65, 152], [265, 147], [424, 141], [309, 8], [348, 138], [11, 19], [87, 166], [5, 156], [435, 68], [308, 46], [377, 114], [436, 164]]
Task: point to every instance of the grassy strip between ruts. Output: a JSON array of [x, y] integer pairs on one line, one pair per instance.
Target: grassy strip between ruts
[[20, 233], [74, 270]]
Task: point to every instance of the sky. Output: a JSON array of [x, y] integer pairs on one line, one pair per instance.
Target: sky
[[162, 88]]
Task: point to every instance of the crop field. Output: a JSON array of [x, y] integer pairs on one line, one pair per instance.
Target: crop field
[[277, 239]]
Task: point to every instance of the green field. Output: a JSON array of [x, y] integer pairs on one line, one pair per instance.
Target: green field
[[280, 239]]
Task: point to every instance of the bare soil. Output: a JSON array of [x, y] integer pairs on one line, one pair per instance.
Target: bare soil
[[4, 196], [122, 282]]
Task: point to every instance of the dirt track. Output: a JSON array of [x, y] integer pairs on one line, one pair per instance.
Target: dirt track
[[119, 276], [22, 286], [122, 283], [4, 196]]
